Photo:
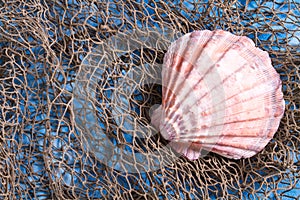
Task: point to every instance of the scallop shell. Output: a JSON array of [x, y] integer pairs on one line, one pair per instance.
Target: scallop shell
[[220, 94]]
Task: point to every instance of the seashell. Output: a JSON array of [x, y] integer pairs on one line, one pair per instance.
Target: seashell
[[220, 94]]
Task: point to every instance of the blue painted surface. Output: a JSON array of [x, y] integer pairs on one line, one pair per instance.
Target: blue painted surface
[[39, 130]]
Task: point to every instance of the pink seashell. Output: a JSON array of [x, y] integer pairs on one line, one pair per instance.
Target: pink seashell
[[220, 94]]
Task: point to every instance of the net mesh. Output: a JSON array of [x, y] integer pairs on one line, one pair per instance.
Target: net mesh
[[78, 80]]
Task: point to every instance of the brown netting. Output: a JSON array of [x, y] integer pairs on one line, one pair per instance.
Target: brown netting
[[76, 93]]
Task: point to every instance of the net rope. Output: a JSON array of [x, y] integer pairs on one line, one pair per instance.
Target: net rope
[[78, 81]]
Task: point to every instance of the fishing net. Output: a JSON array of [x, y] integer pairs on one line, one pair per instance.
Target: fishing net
[[78, 83]]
